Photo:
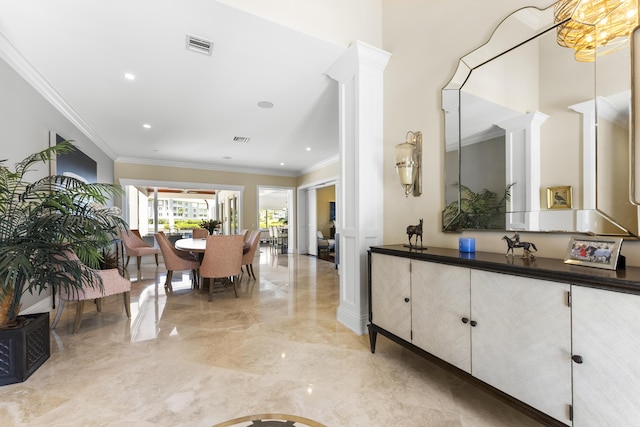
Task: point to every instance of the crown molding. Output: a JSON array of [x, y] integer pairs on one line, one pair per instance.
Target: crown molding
[[23, 67], [212, 167]]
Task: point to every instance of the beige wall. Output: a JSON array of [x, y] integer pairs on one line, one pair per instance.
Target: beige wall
[[324, 195], [323, 174], [426, 39], [250, 182]]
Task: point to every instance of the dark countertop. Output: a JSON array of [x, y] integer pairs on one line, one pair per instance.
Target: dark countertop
[[623, 280]]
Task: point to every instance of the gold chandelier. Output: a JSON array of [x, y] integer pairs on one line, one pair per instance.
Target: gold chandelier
[[595, 27]]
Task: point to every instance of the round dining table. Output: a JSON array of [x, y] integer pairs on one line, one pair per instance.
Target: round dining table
[[191, 245], [199, 245]]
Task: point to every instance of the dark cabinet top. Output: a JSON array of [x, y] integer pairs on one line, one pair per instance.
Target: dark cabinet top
[[622, 280]]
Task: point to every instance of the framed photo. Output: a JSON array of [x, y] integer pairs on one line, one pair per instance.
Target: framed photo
[[559, 197], [599, 252]]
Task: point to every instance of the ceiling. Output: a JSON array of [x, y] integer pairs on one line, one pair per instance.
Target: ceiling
[[196, 104]]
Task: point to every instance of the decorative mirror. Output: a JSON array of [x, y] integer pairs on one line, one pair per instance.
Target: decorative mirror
[[537, 137]]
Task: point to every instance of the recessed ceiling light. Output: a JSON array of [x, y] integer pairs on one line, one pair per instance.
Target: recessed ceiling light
[[265, 104], [129, 76], [146, 126], [281, 164], [308, 148]]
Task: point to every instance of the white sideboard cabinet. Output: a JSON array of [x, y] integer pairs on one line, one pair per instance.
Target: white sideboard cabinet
[[561, 343], [606, 353]]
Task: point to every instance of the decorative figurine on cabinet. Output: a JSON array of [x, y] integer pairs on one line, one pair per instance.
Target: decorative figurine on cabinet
[[515, 242], [417, 231]]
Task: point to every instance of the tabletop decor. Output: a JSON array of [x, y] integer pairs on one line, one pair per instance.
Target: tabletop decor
[[210, 224], [514, 242], [415, 230], [598, 251]]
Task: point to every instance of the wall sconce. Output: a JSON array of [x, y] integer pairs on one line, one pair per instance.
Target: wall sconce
[[409, 163]]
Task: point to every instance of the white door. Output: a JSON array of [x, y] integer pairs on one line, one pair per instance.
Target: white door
[[391, 294], [521, 343], [440, 311], [606, 336]]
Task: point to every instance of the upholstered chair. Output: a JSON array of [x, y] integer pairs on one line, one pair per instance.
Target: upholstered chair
[[135, 246], [247, 258], [176, 260], [200, 233], [222, 261], [324, 243], [112, 284]]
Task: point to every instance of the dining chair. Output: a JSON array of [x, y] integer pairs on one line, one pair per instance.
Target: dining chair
[[249, 256], [271, 236], [112, 284], [134, 245], [176, 260], [223, 261], [200, 233]]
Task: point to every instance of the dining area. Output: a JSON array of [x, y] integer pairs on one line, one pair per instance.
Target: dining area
[[215, 262]]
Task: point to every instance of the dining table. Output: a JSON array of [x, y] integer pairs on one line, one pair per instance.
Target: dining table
[[199, 245]]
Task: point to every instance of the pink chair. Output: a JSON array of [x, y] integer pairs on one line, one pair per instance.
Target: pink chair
[[223, 261], [112, 284], [249, 256], [135, 246], [175, 260], [200, 233]]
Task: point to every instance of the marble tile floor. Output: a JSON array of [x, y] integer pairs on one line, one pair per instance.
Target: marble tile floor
[[183, 361]]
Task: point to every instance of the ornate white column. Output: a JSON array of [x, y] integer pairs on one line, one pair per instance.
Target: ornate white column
[[359, 72]]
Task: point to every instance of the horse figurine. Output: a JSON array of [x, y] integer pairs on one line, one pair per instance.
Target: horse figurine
[[417, 231], [516, 243]]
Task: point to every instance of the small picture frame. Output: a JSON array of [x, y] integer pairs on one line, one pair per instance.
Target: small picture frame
[[599, 252], [559, 197]]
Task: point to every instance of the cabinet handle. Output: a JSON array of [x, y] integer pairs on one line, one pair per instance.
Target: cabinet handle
[[465, 320], [473, 323], [577, 359], [406, 300]]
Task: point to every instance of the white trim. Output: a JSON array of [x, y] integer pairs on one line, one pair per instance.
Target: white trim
[[180, 184], [220, 168], [357, 324], [23, 67], [320, 183], [328, 162], [42, 306]]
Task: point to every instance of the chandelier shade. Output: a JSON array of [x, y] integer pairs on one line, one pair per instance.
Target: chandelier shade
[[595, 27]]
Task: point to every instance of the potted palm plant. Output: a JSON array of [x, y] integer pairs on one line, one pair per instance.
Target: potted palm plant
[[40, 222]]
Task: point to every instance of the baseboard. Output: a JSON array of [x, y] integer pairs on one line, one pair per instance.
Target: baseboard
[[42, 306], [357, 324]]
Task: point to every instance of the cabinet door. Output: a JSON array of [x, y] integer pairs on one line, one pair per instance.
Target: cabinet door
[[606, 334], [521, 343], [391, 294], [440, 302]]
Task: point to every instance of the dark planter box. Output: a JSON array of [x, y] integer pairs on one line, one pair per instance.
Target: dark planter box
[[24, 349]]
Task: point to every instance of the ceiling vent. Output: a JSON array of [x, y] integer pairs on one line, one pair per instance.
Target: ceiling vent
[[241, 139], [198, 44]]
